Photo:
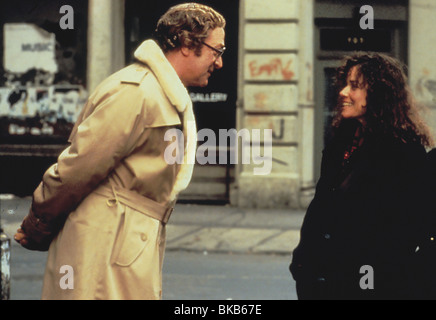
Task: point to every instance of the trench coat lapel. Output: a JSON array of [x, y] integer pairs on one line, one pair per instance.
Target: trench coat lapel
[[150, 54]]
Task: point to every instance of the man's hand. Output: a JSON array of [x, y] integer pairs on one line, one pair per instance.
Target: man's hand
[[34, 234], [20, 237]]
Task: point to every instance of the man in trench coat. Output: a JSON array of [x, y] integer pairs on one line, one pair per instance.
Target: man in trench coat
[[101, 209]]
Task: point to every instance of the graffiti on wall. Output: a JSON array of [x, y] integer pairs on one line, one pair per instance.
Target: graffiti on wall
[[276, 67]]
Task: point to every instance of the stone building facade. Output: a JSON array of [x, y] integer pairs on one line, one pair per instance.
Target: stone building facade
[[281, 56]]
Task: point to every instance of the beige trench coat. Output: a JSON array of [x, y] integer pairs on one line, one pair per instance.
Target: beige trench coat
[[114, 248]]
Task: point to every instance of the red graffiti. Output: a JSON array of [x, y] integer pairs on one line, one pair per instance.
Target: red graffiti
[[275, 66]]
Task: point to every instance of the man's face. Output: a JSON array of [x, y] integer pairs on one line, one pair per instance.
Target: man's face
[[202, 66]]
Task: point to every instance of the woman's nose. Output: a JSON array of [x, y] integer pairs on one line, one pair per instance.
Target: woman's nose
[[344, 92]]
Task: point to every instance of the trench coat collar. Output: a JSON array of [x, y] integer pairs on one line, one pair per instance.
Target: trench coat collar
[[152, 55]]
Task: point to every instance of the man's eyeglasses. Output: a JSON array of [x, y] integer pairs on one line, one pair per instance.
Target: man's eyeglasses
[[218, 52]]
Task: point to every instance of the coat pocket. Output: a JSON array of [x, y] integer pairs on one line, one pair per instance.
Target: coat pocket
[[136, 232]]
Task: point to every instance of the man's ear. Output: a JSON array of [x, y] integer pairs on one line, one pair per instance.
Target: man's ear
[[185, 51]]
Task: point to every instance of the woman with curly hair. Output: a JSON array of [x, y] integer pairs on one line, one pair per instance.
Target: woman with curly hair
[[361, 231]]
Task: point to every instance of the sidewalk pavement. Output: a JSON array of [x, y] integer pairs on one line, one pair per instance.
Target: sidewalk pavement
[[223, 228], [206, 228]]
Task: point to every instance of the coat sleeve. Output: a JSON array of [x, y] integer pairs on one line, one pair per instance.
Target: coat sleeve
[[107, 135], [411, 183]]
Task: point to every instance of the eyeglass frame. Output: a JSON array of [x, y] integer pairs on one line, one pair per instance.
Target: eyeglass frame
[[219, 52]]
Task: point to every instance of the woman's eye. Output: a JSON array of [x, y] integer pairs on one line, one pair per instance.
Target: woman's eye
[[354, 85]]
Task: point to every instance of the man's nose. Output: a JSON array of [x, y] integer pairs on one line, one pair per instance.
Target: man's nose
[[219, 63]]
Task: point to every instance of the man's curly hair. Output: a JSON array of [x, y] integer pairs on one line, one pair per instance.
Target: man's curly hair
[[390, 109], [187, 25]]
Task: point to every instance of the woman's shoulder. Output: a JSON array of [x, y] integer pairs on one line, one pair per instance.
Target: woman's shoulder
[[408, 153], [413, 147], [391, 152]]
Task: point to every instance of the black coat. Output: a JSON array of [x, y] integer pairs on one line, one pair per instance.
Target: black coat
[[368, 212]]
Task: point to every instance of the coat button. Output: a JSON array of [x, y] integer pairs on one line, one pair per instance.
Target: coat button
[[143, 237], [327, 236], [321, 279]]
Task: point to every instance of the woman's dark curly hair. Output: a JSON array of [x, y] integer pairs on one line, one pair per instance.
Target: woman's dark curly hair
[[390, 109], [188, 25]]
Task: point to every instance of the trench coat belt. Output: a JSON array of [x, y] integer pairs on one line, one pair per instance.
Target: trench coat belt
[[136, 201]]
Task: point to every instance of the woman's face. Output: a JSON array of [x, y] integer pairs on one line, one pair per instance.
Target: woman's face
[[353, 97]]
